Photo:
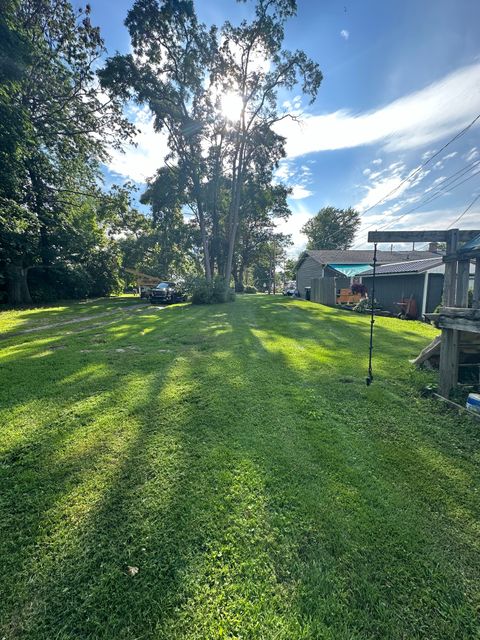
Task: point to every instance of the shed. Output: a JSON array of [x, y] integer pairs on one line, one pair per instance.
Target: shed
[[418, 279], [344, 265]]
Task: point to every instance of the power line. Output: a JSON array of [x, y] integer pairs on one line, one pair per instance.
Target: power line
[[466, 211], [413, 173], [449, 183], [434, 196], [457, 219], [424, 164]]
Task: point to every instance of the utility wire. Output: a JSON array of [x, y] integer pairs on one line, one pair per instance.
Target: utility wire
[[456, 220], [424, 164], [466, 211], [450, 183], [413, 173], [434, 196], [447, 181]]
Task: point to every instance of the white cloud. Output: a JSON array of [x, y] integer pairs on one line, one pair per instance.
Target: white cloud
[[377, 161], [418, 119], [299, 192], [472, 154], [140, 162], [382, 183], [450, 155], [284, 171], [367, 172], [293, 226], [345, 34]]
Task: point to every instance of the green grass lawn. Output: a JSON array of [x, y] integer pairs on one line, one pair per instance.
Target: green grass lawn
[[234, 455]]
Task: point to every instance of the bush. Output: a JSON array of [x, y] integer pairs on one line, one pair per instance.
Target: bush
[[214, 293], [249, 289], [365, 306]]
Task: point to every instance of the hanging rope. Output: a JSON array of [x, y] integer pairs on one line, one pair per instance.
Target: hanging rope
[[369, 378]]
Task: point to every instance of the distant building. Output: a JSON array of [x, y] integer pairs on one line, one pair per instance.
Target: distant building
[[348, 264], [421, 280]]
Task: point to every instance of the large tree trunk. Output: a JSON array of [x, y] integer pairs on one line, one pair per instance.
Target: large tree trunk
[[203, 229], [17, 285], [233, 227], [240, 284]]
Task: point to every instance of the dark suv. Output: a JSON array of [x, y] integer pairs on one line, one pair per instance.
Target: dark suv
[[166, 292]]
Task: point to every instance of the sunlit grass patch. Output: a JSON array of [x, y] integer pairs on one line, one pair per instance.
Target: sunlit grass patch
[[234, 458]]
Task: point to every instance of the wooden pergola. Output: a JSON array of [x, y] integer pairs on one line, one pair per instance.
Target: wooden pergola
[[455, 317]]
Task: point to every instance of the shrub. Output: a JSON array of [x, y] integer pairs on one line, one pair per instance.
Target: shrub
[[203, 293], [249, 289], [365, 306]]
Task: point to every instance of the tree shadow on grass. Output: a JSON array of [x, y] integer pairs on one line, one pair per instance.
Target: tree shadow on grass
[[247, 511]]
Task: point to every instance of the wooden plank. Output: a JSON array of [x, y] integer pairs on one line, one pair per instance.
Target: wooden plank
[[448, 361], [456, 312], [433, 349], [420, 236], [449, 280], [476, 286], [463, 279], [460, 324], [457, 406]]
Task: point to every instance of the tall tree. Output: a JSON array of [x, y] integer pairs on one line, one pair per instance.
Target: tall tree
[[58, 125], [332, 228], [215, 94]]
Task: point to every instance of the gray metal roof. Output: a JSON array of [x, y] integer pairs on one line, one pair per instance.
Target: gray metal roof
[[414, 266], [353, 256]]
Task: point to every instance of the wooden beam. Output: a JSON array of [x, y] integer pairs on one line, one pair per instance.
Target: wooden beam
[[450, 278], [448, 361], [456, 312], [476, 285], [463, 280], [420, 236], [460, 319], [459, 324]]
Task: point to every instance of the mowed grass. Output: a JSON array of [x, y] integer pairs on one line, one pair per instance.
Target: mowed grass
[[234, 455]]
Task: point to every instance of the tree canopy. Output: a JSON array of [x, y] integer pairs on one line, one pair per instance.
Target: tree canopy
[[56, 128], [213, 204], [214, 91], [332, 228]]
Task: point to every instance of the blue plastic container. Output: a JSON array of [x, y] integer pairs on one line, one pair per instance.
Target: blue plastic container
[[473, 402]]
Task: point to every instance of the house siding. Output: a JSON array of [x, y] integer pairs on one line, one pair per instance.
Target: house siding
[[308, 270], [435, 291], [391, 289]]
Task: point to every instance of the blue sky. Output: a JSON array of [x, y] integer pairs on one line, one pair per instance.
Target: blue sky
[[401, 78]]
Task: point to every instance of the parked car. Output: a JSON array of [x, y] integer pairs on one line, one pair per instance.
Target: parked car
[[290, 289], [167, 292]]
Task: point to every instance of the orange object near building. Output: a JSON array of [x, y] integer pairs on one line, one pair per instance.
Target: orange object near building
[[347, 297]]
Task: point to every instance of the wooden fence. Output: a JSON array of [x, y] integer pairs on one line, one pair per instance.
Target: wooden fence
[[324, 291]]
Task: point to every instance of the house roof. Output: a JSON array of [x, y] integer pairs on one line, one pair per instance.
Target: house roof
[[353, 256], [414, 266]]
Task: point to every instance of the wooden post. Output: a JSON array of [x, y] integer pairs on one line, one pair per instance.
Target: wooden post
[[476, 285], [448, 374], [449, 282], [463, 279], [448, 361]]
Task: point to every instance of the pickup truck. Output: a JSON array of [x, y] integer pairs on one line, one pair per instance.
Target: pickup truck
[[166, 292]]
